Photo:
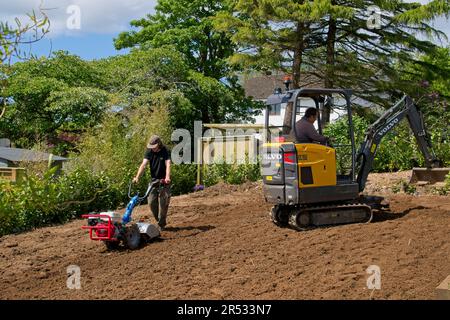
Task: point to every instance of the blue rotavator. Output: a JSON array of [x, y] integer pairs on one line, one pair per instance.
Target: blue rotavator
[[113, 229]]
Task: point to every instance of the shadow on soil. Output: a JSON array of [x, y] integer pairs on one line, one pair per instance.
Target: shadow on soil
[[144, 243], [385, 215], [189, 228], [194, 231]]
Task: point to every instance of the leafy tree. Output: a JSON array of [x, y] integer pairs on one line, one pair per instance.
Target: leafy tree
[[187, 25], [426, 12], [76, 108], [50, 99], [12, 39], [430, 72], [155, 69], [431, 90], [276, 34], [148, 77]]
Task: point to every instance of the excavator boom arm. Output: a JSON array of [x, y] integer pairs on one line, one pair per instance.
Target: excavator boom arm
[[389, 120]]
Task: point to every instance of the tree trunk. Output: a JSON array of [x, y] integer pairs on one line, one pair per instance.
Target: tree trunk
[[329, 68], [298, 58], [298, 55]]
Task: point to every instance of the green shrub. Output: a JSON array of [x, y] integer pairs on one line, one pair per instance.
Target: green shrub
[[40, 201], [183, 178], [409, 188], [341, 139], [231, 173], [396, 188], [215, 173], [397, 151], [404, 186]]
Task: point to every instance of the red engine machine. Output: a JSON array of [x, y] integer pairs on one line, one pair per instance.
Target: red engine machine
[[112, 228]]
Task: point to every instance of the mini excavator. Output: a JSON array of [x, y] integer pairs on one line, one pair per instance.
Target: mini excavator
[[302, 180]]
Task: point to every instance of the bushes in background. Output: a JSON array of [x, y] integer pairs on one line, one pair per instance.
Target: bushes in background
[[231, 173], [397, 151], [183, 178], [40, 201]]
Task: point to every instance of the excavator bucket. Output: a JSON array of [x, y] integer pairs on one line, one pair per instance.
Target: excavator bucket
[[422, 176]]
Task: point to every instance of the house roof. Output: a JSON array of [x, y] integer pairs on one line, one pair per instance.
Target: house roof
[[261, 86], [17, 155]]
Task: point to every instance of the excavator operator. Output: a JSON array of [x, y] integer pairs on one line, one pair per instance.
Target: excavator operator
[[305, 131]]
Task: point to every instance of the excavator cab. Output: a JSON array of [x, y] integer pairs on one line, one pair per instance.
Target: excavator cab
[[323, 100]]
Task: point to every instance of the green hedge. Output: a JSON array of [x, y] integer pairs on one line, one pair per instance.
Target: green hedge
[[41, 201], [183, 178], [231, 173]]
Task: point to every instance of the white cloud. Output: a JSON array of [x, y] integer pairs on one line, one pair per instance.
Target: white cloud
[[97, 16]]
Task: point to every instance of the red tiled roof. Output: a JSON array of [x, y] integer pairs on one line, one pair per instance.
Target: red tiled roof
[[261, 86]]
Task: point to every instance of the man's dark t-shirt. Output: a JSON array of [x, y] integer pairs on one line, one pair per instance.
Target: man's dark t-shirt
[[157, 161]]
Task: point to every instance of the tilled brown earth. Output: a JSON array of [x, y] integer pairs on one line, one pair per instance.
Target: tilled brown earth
[[220, 244]]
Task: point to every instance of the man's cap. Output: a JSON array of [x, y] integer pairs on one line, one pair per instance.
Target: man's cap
[[154, 142]]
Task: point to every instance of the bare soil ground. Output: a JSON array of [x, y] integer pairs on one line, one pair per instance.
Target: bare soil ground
[[220, 244]]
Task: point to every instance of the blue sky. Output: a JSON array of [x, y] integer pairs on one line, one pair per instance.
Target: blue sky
[[99, 22], [88, 46]]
